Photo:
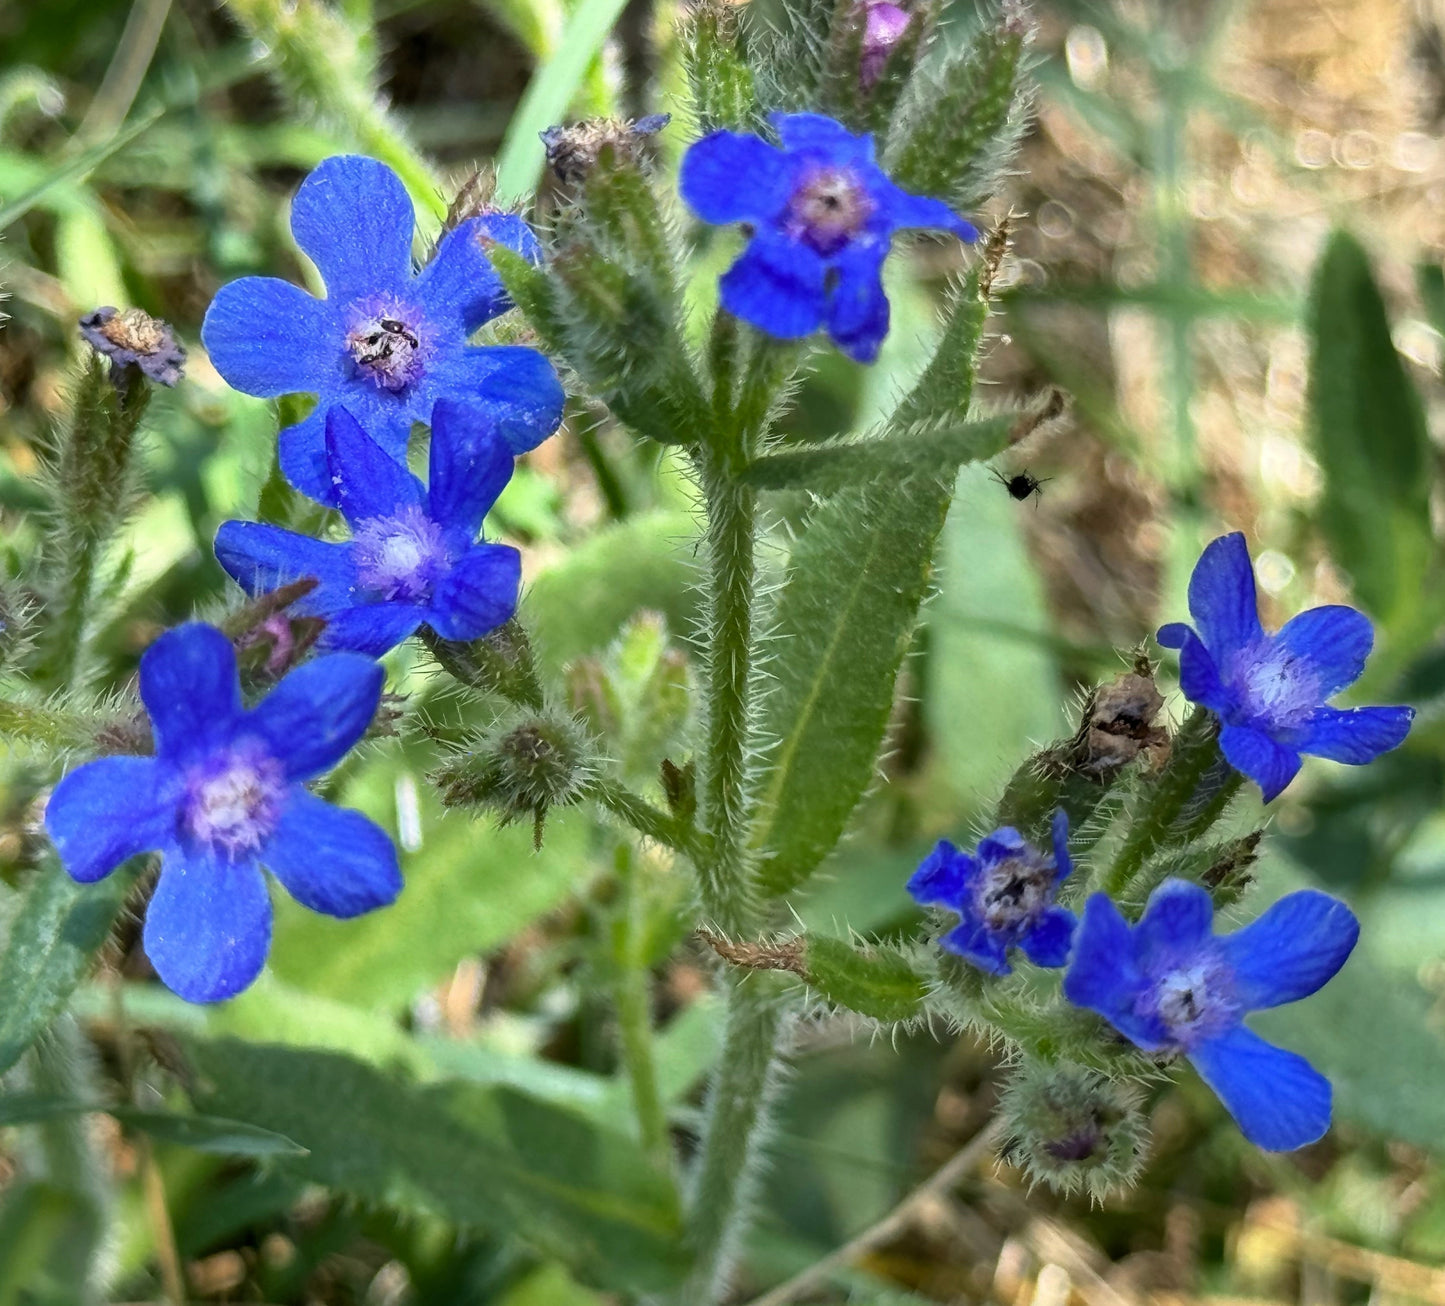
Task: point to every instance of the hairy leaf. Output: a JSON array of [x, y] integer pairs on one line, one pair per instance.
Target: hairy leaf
[[874, 981]]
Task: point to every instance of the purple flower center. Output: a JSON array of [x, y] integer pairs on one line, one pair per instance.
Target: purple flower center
[[233, 802], [829, 207], [388, 341], [1274, 684], [1193, 999], [1011, 894], [400, 557]]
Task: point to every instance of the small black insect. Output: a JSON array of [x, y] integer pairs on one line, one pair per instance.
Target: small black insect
[[1021, 484]]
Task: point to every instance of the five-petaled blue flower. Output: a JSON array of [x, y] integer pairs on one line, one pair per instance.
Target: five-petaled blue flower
[[413, 556], [822, 215], [1005, 896], [1170, 985], [384, 342], [223, 796], [1269, 691]]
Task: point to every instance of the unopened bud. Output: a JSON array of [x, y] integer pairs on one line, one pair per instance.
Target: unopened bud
[[130, 339], [1072, 1129], [885, 26]]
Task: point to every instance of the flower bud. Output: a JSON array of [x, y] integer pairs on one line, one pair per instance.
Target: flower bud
[[574, 149], [1072, 1129], [132, 340], [884, 27]]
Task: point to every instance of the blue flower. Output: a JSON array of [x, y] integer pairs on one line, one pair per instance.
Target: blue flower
[[384, 342], [822, 215], [413, 556], [1004, 894], [223, 796], [1170, 985], [1269, 691]]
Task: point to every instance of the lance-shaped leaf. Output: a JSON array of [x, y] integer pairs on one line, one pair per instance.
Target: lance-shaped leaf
[[49, 946], [872, 980], [200, 1132], [483, 1157]]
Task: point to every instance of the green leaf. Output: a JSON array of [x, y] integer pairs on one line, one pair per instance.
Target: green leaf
[[203, 1133], [873, 981], [1369, 434], [549, 94], [49, 946], [481, 1157], [723, 95], [826, 469], [844, 620]]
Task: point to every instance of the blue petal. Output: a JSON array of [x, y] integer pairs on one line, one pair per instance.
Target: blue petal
[[331, 859], [366, 480], [1269, 764], [470, 466], [984, 947], [942, 877], [1278, 1099], [1001, 844], [1356, 735], [817, 134], [517, 386], [1178, 921], [900, 209], [728, 177], [259, 558], [208, 927], [372, 628], [267, 338], [459, 286], [190, 687], [857, 306], [1292, 950], [1222, 598], [1104, 975], [106, 811], [301, 452], [478, 594], [1048, 943], [1059, 831], [313, 717], [777, 285], [353, 219], [1198, 675], [1334, 640]]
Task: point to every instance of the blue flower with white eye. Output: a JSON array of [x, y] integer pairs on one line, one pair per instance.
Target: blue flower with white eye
[[224, 796], [1269, 691], [386, 343], [822, 214], [1004, 894], [1170, 985], [413, 558]]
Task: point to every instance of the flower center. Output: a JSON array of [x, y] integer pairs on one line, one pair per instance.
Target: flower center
[[388, 343], [1276, 684], [1011, 894], [233, 802], [830, 206], [1194, 1000], [400, 557]]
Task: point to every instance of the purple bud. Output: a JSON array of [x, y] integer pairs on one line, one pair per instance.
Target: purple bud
[[886, 23]]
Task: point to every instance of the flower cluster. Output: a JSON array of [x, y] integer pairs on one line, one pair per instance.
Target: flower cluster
[[1168, 983], [224, 795]]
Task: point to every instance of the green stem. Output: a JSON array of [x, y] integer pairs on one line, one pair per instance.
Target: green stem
[[633, 999], [649, 821], [737, 1114], [1195, 775], [725, 875]]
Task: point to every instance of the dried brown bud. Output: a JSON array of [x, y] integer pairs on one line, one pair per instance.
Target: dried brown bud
[[573, 150], [133, 338], [1119, 727]]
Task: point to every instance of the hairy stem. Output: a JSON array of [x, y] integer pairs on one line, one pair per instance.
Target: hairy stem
[[738, 1105], [633, 999], [1187, 789], [649, 821]]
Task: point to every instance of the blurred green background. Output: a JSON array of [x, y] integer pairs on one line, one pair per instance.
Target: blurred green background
[[1174, 206]]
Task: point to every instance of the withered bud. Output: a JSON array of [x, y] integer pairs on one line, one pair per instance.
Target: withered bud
[[1228, 876], [133, 338], [573, 149], [473, 200], [679, 784], [1119, 727]]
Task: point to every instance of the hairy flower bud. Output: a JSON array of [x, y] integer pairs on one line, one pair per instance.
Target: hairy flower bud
[[1072, 1129], [527, 764], [573, 149], [885, 26], [1119, 727], [132, 339]]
